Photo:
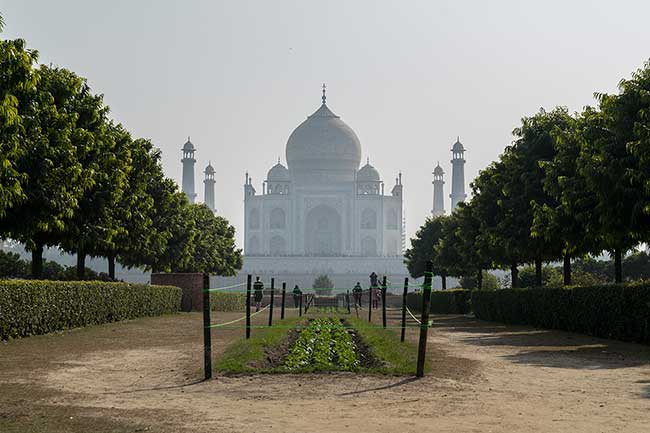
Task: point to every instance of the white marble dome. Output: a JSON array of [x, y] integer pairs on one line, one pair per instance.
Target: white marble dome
[[323, 142], [368, 173], [278, 173]]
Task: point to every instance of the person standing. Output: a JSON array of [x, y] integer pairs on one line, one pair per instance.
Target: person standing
[[374, 290], [357, 291], [258, 293], [297, 293]]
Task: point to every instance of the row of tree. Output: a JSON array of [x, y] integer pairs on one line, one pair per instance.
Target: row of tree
[[568, 186], [73, 178]]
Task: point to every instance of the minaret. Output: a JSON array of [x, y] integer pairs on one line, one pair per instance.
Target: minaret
[[438, 194], [188, 170], [457, 174], [209, 186]]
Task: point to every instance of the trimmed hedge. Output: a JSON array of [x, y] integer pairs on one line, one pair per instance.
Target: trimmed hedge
[[224, 301], [620, 312], [38, 307], [442, 301]]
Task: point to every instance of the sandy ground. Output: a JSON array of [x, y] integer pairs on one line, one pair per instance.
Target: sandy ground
[[144, 375]]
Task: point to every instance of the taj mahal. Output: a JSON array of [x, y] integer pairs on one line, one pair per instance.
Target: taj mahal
[[324, 212]]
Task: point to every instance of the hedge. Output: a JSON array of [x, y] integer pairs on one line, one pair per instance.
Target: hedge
[[38, 307], [620, 312], [224, 301], [442, 301]]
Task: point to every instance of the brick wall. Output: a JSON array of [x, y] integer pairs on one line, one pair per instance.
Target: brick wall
[[191, 284]]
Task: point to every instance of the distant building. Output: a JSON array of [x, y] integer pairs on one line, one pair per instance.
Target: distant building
[[209, 186], [323, 213], [438, 193], [188, 170], [457, 174]]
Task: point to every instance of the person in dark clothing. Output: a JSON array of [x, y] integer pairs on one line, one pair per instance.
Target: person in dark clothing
[[374, 290], [357, 291], [296, 296], [258, 293]]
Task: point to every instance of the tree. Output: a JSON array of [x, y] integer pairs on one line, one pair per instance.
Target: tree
[[564, 220], [11, 265], [490, 282], [422, 247], [323, 285], [212, 249], [18, 80], [608, 166], [54, 181]]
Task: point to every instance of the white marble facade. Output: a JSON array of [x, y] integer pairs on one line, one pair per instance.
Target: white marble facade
[[323, 204]]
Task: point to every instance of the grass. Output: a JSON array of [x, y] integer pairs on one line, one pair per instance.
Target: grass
[[239, 355], [249, 356]]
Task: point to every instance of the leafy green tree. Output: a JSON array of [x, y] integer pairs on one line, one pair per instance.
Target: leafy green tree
[[564, 220], [11, 265], [489, 282], [323, 284], [18, 80], [212, 249], [422, 247], [54, 181], [614, 162]]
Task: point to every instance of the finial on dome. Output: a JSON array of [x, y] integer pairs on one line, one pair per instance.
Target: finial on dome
[[368, 160], [324, 97], [458, 138], [278, 159], [188, 138]]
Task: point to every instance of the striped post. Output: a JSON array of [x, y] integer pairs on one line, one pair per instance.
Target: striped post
[[248, 306], [272, 301], [424, 320], [284, 292], [207, 336], [404, 297]]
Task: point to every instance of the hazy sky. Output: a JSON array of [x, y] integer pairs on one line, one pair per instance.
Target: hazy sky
[[407, 76]]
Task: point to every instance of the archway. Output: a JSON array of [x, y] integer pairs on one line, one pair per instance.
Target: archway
[[368, 247], [323, 232], [278, 246]]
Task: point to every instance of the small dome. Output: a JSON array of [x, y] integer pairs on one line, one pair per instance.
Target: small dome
[[278, 173], [438, 170], [458, 146], [368, 173], [188, 146], [209, 169]]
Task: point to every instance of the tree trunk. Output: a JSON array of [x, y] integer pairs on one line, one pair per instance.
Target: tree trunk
[[479, 280], [538, 272], [81, 264], [514, 275], [618, 266], [567, 270], [37, 261], [111, 267], [444, 282]]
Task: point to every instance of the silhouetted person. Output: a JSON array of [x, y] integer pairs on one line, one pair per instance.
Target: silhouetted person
[[258, 293], [296, 296], [374, 290], [357, 291]]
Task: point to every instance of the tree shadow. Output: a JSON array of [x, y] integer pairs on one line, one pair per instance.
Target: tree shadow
[[558, 349], [381, 388]]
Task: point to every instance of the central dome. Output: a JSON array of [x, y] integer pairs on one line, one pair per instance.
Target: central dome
[[324, 142]]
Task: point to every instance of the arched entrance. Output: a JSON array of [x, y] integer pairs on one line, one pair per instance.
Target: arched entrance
[[323, 232]]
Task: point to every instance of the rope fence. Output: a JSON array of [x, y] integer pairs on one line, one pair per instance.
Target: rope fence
[[347, 298]]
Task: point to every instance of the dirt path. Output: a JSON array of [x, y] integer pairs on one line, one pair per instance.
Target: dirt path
[[143, 376]]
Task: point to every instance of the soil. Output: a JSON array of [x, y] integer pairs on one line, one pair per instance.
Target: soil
[[145, 375]]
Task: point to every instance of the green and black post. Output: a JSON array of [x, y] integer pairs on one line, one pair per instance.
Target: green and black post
[[300, 305], [424, 319], [248, 306], [207, 337], [404, 297], [347, 300], [284, 292], [272, 300], [383, 302], [370, 290]]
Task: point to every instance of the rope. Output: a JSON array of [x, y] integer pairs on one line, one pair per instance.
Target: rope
[[411, 314], [226, 287], [219, 325]]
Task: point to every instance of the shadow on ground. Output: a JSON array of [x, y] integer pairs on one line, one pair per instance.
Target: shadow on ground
[[557, 349]]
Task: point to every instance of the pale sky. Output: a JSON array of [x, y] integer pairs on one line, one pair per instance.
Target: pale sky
[[407, 76]]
